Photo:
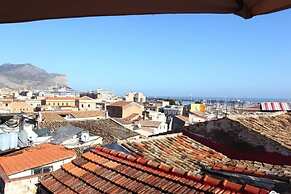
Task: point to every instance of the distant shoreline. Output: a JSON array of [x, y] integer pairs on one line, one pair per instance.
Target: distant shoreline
[[226, 99]]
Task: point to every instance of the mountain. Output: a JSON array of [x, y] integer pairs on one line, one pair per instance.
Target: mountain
[[20, 76]]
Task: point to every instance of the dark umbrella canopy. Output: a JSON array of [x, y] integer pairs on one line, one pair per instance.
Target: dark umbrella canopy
[[29, 10]]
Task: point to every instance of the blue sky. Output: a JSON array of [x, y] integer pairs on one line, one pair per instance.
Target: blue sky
[[161, 55]]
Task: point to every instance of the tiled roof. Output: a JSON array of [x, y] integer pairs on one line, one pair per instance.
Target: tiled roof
[[120, 103], [199, 114], [149, 123], [55, 116], [176, 150], [277, 128], [51, 116], [132, 117], [107, 171], [87, 114], [182, 118], [109, 130], [122, 121], [128, 120], [52, 125], [34, 157], [183, 152]]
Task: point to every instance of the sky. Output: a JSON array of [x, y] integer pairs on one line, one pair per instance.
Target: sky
[[160, 55]]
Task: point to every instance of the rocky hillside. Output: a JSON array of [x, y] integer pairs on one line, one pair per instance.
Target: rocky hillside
[[28, 76]]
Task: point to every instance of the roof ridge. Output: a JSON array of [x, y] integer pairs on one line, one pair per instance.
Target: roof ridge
[[154, 137], [243, 169], [221, 183]]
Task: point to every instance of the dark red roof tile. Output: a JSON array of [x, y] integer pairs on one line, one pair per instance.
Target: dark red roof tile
[[164, 167], [122, 155], [212, 181], [231, 185], [178, 171], [153, 164], [142, 160], [131, 158], [251, 189]]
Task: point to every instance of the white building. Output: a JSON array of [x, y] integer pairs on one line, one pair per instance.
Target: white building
[[104, 95], [154, 116], [147, 127], [9, 135], [197, 117], [173, 110], [75, 137], [135, 97]]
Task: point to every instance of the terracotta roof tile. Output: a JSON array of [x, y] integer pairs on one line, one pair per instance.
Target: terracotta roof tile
[[105, 172], [177, 151], [183, 152], [87, 114], [182, 118], [251, 189], [34, 157], [97, 127], [51, 116], [120, 103], [231, 185], [265, 125]]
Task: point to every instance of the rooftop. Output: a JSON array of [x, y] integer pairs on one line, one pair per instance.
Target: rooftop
[[87, 114], [182, 118], [33, 157], [107, 171], [51, 116], [180, 151], [176, 150], [86, 98], [120, 103], [57, 116], [277, 128], [149, 123], [109, 130]]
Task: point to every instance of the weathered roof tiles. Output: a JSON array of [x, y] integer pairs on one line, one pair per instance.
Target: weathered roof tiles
[[183, 152], [108, 171]]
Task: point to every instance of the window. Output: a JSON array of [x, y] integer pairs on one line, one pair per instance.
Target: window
[[41, 170], [47, 169], [67, 104], [88, 105], [36, 171], [82, 105]]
